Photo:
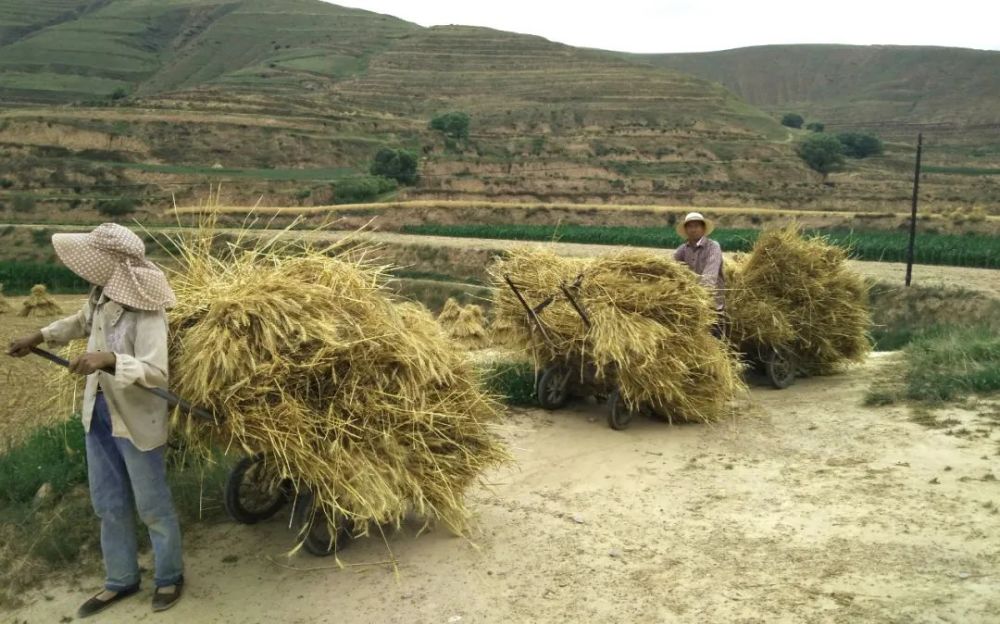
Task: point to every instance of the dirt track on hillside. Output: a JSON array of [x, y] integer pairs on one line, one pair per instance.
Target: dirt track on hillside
[[810, 508]]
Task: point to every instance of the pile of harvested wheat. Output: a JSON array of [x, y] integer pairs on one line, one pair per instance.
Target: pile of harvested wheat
[[4, 305], [449, 312], [797, 294], [466, 325], [468, 328], [310, 360], [39, 303], [650, 327]]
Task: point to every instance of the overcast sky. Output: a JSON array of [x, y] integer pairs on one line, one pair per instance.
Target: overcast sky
[[691, 26]]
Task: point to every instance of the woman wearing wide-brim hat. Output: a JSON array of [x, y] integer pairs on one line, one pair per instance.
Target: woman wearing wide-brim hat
[[126, 427]]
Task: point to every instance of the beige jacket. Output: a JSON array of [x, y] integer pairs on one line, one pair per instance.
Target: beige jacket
[[138, 339]]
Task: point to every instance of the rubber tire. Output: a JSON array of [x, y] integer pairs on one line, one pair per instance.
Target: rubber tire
[[314, 535], [547, 397], [619, 416], [780, 370], [231, 499]]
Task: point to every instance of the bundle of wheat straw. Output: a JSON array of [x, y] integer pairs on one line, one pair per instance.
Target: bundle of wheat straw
[[798, 294], [308, 359], [650, 329], [468, 330], [39, 303], [449, 312]]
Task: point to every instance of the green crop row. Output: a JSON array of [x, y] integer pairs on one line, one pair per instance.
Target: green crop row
[[974, 171], [18, 278], [889, 246]]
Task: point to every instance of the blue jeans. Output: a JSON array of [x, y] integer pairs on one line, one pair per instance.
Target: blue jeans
[[121, 476]]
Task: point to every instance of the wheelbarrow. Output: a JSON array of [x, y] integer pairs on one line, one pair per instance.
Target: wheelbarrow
[[556, 383], [254, 492], [778, 365]]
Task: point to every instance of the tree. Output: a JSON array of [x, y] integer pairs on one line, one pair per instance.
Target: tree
[[792, 120], [397, 164], [822, 152], [116, 207], [454, 125], [859, 144], [118, 94], [815, 126]]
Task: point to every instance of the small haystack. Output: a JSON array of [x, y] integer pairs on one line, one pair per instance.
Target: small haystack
[[4, 304], [468, 330], [39, 303], [650, 333], [449, 312], [798, 294], [311, 360]]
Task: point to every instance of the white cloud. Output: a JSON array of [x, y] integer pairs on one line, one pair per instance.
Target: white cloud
[[691, 26]]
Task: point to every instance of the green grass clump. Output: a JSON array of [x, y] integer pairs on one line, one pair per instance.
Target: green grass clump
[[951, 363], [54, 455], [943, 364], [513, 381], [886, 246], [38, 536]]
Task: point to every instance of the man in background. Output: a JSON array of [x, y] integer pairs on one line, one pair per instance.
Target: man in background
[[703, 256]]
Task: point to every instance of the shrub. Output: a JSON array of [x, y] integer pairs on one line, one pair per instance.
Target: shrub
[[360, 190], [859, 144], [822, 152], [115, 207], [118, 94], [792, 120], [815, 126], [24, 203], [454, 125], [6, 183], [397, 164]]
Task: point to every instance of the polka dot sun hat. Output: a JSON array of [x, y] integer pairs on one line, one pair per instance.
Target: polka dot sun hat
[[113, 257]]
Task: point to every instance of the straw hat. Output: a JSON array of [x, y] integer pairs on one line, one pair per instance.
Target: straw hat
[[695, 216], [113, 257]]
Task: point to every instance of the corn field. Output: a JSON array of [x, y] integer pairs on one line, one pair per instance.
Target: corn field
[[18, 278], [884, 246]]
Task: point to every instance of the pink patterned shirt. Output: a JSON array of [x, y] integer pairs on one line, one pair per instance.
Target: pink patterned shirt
[[705, 259]]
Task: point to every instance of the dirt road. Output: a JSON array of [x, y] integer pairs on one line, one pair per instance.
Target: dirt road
[[810, 508]]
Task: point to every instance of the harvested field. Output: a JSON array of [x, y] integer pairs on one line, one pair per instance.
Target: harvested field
[[24, 401]]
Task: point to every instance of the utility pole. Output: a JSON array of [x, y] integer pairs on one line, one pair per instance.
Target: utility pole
[[913, 211]]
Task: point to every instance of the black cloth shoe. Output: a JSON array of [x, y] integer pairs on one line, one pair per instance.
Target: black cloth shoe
[[95, 605], [163, 601]]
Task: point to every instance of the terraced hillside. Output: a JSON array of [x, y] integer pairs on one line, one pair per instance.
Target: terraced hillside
[[154, 101], [894, 89], [66, 51]]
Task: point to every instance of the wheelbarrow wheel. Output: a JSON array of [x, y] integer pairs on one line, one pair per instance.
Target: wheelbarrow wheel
[[552, 390], [780, 369], [619, 415], [314, 530], [253, 492]]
